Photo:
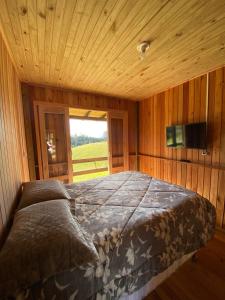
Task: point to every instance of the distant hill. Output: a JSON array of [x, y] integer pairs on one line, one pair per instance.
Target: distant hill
[[84, 139], [90, 150]]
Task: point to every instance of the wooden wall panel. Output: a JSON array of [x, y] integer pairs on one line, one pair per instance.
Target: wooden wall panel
[[78, 100], [186, 103], [13, 157]]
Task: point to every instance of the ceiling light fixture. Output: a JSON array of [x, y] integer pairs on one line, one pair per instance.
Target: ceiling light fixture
[[142, 48]]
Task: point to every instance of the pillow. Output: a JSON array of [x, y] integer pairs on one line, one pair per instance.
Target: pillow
[[45, 239], [42, 190]]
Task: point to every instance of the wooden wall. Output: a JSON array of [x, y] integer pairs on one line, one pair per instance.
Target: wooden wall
[[78, 100], [186, 103], [13, 158]]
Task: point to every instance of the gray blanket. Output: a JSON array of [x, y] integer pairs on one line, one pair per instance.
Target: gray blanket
[[139, 225]]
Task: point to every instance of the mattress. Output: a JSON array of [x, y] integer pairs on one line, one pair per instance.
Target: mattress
[[140, 226]]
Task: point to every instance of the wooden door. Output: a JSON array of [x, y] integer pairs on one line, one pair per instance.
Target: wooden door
[[53, 142], [118, 141]]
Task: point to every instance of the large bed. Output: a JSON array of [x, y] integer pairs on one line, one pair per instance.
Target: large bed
[[142, 228]]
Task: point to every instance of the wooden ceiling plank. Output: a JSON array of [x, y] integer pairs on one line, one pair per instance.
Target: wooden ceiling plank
[[22, 12], [11, 30], [173, 37], [80, 60], [125, 39], [87, 114], [163, 13], [58, 19], [110, 39], [33, 33], [49, 27], [87, 23], [192, 62], [75, 24], [104, 24], [154, 60], [41, 9], [156, 87], [16, 59], [91, 47], [64, 34]]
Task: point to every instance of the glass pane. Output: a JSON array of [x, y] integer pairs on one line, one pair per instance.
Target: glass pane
[[51, 145], [56, 144]]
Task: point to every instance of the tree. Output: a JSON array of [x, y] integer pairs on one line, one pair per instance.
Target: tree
[[78, 140]]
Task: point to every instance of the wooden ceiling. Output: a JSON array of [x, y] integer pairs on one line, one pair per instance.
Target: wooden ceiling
[[86, 114], [91, 45]]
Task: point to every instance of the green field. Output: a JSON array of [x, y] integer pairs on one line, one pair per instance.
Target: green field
[[88, 151]]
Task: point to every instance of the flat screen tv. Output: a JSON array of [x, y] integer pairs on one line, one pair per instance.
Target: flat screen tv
[[187, 136]]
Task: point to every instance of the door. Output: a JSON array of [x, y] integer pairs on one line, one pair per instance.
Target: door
[[118, 141], [53, 142]]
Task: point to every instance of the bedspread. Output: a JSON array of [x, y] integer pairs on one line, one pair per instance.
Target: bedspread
[[139, 225]]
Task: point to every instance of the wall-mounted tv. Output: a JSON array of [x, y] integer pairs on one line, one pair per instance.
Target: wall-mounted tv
[[187, 136]]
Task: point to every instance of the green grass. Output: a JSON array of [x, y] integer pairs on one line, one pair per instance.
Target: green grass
[[88, 151], [89, 176]]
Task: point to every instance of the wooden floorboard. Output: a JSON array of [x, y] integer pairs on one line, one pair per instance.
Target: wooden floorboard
[[200, 280]]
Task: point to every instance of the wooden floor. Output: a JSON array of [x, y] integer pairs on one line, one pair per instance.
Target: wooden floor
[[200, 280]]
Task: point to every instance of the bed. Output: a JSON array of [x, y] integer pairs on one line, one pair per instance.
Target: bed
[[142, 228]]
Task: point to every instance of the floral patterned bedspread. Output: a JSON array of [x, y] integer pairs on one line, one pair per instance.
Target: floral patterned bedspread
[[139, 225]]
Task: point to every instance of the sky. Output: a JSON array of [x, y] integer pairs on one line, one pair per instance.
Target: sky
[[87, 127]]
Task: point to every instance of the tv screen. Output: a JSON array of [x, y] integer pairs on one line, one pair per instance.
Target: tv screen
[[175, 136], [188, 136]]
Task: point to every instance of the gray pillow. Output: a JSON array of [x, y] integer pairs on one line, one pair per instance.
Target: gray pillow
[[45, 239], [42, 190]]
